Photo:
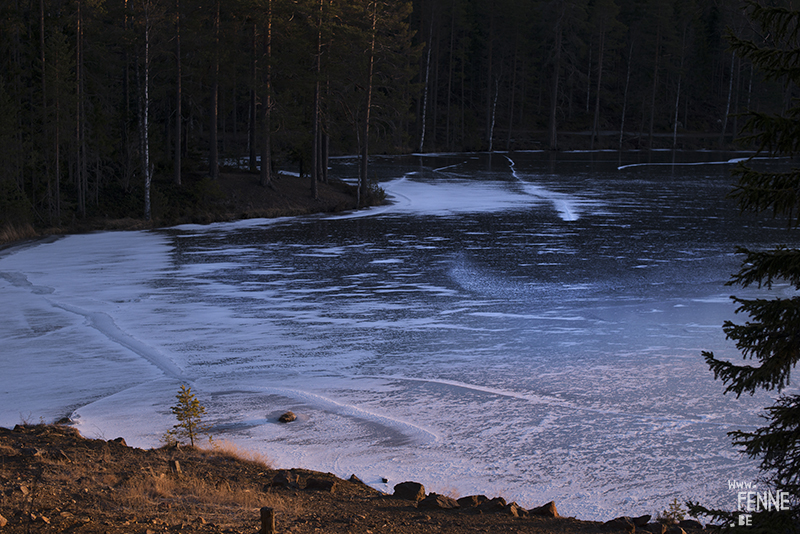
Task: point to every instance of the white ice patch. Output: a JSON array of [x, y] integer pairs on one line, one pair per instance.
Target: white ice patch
[[566, 205]]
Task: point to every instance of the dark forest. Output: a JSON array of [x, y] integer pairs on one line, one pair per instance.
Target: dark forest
[[107, 104]]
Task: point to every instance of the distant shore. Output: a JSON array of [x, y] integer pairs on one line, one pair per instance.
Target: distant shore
[[237, 195]]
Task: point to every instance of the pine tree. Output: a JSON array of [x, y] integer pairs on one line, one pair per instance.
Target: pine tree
[[189, 413], [772, 334]]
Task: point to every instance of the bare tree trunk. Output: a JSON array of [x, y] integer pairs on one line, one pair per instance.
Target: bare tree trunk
[[315, 124], [213, 152], [363, 175], [447, 140], [655, 87], [57, 141], [554, 92], [266, 106], [513, 91], [144, 111], [678, 95], [44, 149], [596, 123], [251, 131], [625, 97], [589, 78], [178, 94], [728, 105], [426, 88], [494, 110], [80, 163]]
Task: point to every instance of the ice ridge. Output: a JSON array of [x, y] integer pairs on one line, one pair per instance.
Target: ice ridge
[[103, 323]]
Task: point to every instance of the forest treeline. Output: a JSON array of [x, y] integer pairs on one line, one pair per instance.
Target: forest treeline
[[118, 108]]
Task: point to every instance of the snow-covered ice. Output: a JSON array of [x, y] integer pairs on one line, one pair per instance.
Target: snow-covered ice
[[508, 325]]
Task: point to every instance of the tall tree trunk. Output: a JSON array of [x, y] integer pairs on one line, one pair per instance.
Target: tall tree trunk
[[251, 131], [57, 136], [178, 94], [489, 77], [553, 127], [44, 147], [213, 152], [513, 91], [447, 139], [80, 162], [363, 175], [266, 109], [678, 95], [596, 123], [494, 112], [589, 78], [728, 104], [426, 88], [144, 112], [625, 96], [655, 88], [315, 120]]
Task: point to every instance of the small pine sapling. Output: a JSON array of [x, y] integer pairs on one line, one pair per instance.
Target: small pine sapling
[[190, 414], [672, 515]]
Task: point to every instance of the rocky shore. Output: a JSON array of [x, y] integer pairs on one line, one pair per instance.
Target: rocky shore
[[54, 480]]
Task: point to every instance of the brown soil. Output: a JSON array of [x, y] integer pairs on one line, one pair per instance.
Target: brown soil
[[236, 195], [289, 195], [54, 480]]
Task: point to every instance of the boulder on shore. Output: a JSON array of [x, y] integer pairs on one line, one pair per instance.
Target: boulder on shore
[[436, 501], [545, 510], [472, 501], [411, 491]]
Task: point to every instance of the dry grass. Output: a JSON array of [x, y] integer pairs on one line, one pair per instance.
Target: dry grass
[[229, 449], [192, 493], [12, 232]]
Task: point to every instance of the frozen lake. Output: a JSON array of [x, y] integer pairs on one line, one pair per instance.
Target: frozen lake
[[513, 324]]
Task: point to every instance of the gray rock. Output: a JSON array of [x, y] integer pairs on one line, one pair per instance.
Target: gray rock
[[411, 491], [642, 520], [436, 501]]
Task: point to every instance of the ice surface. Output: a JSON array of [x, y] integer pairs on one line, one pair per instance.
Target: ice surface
[[509, 325]]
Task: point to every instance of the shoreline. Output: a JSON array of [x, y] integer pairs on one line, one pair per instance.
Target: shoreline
[[236, 196], [56, 480]]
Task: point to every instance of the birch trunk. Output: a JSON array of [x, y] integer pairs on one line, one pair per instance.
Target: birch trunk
[[426, 89], [362, 189], [728, 104]]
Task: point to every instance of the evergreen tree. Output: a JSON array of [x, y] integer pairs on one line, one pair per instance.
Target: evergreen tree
[[189, 413], [772, 335]]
